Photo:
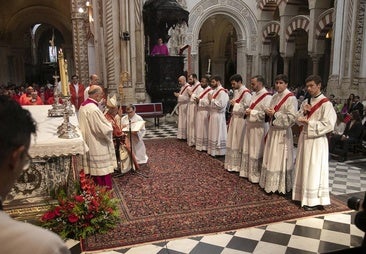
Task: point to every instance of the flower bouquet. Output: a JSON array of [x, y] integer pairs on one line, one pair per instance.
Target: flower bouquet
[[91, 210]]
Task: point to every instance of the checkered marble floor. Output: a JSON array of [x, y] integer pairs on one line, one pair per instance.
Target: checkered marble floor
[[320, 234]]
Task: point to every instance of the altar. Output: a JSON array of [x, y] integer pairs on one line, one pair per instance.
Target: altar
[[55, 163]]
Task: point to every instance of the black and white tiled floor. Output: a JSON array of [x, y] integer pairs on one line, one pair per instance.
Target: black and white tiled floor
[[320, 234]]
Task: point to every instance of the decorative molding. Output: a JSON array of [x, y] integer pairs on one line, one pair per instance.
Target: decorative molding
[[80, 41], [110, 65], [270, 30], [297, 22], [324, 24], [357, 53], [241, 16]]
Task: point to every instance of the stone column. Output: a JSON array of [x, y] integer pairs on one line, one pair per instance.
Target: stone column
[[286, 61], [80, 43], [265, 68], [138, 56], [315, 58], [241, 59], [249, 68]]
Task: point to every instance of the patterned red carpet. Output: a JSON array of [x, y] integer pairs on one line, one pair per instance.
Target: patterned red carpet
[[189, 193]]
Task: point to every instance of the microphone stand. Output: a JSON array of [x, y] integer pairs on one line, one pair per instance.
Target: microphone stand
[[133, 169]]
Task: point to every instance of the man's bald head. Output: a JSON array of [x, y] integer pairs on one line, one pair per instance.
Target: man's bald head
[[182, 80], [96, 92]]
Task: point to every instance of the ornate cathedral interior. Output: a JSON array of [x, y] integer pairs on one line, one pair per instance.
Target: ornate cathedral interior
[[114, 39]]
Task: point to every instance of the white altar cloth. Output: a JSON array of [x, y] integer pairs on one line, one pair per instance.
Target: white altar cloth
[[47, 143]]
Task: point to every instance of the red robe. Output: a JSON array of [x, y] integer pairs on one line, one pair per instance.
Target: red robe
[[77, 99]]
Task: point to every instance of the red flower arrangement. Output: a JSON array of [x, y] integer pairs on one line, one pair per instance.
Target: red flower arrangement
[[92, 210]]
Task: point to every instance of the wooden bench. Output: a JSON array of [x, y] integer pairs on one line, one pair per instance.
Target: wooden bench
[[149, 110]]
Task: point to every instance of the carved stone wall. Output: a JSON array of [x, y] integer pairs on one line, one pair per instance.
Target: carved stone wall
[[358, 43], [80, 41]]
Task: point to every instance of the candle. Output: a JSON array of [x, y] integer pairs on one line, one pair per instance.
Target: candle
[[209, 66], [63, 76]]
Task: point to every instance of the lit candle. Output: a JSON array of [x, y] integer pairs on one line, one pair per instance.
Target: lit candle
[[209, 66]]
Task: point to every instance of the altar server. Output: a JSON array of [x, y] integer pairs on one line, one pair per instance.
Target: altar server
[[255, 130], [183, 99], [217, 132], [203, 113], [278, 157], [235, 137], [138, 131], [317, 118]]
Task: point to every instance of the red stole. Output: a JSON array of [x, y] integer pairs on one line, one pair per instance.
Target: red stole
[[205, 92], [258, 100], [313, 109], [194, 88], [316, 106], [184, 88], [217, 93], [278, 106], [242, 95]]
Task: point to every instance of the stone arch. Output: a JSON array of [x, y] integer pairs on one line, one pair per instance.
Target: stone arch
[[46, 15], [237, 12], [268, 5], [243, 21], [324, 24], [270, 30], [297, 22]]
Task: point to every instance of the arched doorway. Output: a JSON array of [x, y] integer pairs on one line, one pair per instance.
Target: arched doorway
[[43, 41], [217, 47], [27, 29], [241, 35], [300, 64]]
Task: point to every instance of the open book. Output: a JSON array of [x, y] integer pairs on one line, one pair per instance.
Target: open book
[[135, 126]]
